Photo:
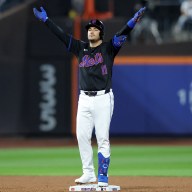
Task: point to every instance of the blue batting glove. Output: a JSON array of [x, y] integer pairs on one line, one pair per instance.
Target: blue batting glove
[[137, 17], [118, 41], [41, 15]]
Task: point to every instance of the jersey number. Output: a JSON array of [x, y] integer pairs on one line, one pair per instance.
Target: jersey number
[[104, 69]]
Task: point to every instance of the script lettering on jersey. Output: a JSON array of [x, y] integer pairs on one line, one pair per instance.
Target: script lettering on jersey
[[87, 61]]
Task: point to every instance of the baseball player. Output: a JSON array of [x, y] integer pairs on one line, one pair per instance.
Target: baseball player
[[96, 100]]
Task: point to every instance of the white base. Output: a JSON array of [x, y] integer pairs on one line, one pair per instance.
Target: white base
[[94, 187]]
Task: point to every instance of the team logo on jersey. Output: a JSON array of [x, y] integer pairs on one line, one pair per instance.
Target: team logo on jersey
[[87, 61]]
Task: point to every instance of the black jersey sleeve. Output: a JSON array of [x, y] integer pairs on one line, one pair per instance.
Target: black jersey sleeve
[[111, 49], [120, 37], [125, 30], [71, 43]]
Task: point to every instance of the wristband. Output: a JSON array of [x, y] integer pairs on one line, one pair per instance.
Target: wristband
[[131, 23]]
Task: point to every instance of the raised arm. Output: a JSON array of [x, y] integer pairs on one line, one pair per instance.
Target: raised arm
[[121, 35], [64, 37]]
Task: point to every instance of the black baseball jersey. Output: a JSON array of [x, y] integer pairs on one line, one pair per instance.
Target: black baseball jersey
[[95, 64]]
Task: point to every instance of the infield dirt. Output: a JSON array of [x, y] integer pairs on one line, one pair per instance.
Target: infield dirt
[[61, 184]]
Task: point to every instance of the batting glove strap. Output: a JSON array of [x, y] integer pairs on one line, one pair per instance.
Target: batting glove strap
[[131, 23]]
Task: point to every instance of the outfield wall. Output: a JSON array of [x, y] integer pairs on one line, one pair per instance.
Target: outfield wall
[[153, 96], [35, 76], [12, 60]]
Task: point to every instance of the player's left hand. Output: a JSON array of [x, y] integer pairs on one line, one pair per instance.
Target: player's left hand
[[137, 17]]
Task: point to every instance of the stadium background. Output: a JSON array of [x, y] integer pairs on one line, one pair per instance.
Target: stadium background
[[152, 83]]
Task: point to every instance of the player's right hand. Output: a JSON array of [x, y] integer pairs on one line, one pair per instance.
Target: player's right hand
[[41, 15]]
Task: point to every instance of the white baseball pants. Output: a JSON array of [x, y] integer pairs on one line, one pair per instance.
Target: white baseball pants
[[93, 111]]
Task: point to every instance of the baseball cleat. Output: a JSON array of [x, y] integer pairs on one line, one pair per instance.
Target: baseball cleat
[[86, 179], [102, 180], [102, 184]]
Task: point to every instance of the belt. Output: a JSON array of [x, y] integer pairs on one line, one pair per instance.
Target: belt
[[95, 93]]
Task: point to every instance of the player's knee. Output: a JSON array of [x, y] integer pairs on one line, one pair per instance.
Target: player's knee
[[81, 136], [103, 143]]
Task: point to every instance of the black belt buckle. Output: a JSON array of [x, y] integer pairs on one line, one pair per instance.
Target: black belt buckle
[[107, 91], [91, 93], [94, 93]]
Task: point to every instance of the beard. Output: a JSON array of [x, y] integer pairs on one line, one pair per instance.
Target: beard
[[94, 40]]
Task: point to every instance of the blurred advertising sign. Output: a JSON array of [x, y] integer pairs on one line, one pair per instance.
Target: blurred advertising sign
[[49, 97]]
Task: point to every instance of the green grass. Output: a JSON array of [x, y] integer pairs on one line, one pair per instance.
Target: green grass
[[125, 161]]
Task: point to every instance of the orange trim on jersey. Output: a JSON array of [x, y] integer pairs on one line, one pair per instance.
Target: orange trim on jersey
[[74, 79], [153, 60]]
